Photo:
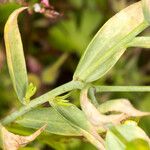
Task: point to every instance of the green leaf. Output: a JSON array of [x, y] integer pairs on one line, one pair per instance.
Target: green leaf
[[119, 105], [15, 55], [110, 43], [65, 120], [138, 144], [120, 137], [31, 90], [55, 123], [78, 120]]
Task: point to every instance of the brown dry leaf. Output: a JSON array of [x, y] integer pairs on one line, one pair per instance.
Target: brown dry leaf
[[14, 142]]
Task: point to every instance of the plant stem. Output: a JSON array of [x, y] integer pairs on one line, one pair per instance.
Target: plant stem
[[66, 88], [92, 97], [42, 99], [122, 88]]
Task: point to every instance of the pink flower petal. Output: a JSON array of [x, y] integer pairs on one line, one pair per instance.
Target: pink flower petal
[[45, 2]]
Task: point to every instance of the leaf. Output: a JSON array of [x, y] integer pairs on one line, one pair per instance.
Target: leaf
[[14, 142], [122, 106], [77, 119], [146, 10], [94, 115], [110, 43], [31, 90], [138, 144], [55, 123], [15, 55], [121, 136], [63, 120]]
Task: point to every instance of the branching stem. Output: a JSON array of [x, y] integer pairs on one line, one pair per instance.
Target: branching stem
[[66, 88], [42, 99]]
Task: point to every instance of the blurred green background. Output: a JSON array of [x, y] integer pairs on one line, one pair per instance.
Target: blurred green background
[[53, 46]]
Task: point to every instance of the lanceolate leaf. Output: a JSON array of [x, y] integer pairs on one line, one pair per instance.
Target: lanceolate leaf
[[110, 43], [63, 120], [55, 123], [78, 120], [15, 55]]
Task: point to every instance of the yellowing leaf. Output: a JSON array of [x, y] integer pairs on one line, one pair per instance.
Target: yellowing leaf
[[122, 106], [93, 114], [14, 142], [15, 55], [146, 10], [110, 43]]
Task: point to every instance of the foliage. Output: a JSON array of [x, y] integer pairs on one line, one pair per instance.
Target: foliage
[[110, 125]]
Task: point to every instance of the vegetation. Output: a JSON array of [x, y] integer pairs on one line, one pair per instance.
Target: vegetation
[[97, 105]]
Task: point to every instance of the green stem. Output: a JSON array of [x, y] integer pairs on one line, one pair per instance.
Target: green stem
[[66, 88], [143, 42], [42, 99], [122, 88], [92, 96]]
